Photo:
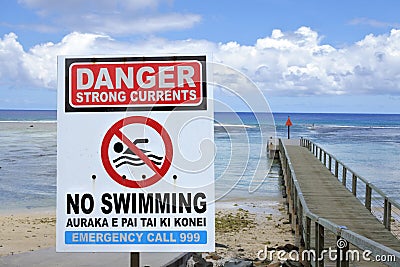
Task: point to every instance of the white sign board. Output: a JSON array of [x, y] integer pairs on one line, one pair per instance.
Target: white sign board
[[135, 155]]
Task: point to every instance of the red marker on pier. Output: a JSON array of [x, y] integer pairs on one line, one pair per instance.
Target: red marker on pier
[[288, 124]]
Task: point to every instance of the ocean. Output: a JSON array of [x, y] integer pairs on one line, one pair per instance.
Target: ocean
[[368, 143]]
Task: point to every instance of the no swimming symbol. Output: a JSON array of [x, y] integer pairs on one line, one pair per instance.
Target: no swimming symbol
[[128, 153]]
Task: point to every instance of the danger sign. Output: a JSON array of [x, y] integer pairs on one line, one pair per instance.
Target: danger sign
[[134, 172], [110, 85]]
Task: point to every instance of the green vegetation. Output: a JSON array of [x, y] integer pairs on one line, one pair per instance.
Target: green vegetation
[[240, 221]]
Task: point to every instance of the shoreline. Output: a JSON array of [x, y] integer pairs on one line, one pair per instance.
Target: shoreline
[[28, 211], [27, 230]]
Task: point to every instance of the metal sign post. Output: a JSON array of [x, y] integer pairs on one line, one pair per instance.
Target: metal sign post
[[135, 259]]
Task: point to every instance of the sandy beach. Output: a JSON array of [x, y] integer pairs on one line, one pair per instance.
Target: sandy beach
[[22, 232], [242, 229]]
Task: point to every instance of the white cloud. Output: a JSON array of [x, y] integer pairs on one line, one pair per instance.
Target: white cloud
[[121, 25], [48, 6], [373, 22], [12, 71], [282, 64], [115, 18]]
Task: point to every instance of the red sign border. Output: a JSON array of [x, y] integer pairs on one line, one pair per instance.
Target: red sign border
[[198, 101], [201, 106]]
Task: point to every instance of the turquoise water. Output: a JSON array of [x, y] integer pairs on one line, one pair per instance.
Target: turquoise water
[[27, 165], [367, 143]]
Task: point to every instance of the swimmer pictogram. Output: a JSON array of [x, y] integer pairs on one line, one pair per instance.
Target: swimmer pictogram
[[118, 152], [129, 157]]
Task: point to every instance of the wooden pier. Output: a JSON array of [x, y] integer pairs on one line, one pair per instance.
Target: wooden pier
[[325, 211]]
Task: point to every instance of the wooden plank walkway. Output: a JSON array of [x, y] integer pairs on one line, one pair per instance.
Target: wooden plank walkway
[[328, 198]]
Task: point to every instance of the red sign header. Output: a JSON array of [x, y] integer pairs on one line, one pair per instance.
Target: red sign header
[[135, 84]]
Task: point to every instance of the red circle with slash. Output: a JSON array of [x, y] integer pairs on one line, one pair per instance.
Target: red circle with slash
[[115, 130]]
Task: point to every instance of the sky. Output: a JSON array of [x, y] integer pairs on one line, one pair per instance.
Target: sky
[[304, 56]]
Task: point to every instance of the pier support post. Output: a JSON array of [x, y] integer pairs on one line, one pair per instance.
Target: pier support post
[[330, 163], [294, 210], [354, 185], [336, 169], [307, 240], [300, 224], [344, 175], [342, 259], [387, 213], [319, 244], [368, 197], [291, 200]]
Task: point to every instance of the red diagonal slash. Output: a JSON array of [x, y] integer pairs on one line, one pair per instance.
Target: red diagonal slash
[[137, 151]]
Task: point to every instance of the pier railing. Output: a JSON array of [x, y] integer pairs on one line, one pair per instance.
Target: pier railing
[[384, 208], [308, 225]]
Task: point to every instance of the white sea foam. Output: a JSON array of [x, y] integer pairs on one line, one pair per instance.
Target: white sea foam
[[234, 125], [333, 126], [31, 122]]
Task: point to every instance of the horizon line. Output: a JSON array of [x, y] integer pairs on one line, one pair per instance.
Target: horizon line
[[241, 111]]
